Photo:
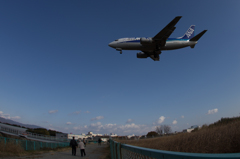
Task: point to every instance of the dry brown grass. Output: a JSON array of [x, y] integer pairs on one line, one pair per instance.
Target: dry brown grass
[[217, 139], [13, 149], [10, 149]]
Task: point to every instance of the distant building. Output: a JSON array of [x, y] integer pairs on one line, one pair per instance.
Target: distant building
[[62, 135], [103, 138], [70, 136], [130, 136], [191, 128], [12, 129], [90, 133], [195, 126], [188, 130], [113, 135]]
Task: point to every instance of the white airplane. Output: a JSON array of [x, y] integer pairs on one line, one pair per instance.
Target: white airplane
[[152, 47]]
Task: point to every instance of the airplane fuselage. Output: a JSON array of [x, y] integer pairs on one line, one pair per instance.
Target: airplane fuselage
[[135, 44]]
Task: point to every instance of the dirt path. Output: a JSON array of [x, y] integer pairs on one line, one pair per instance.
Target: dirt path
[[92, 152]]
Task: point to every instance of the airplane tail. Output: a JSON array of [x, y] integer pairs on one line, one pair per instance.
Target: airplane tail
[[197, 37], [189, 34]]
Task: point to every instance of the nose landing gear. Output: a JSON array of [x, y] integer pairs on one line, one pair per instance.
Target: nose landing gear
[[119, 49]]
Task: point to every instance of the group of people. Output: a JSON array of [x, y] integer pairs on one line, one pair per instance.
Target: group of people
[[81, 145]]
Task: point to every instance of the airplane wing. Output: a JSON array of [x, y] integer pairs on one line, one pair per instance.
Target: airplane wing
[[162, 36]]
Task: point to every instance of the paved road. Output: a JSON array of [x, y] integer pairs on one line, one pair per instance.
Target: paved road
[[92, 152]]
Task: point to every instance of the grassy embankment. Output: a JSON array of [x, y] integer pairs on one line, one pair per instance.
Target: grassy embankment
[[220, 137], [13, 149]]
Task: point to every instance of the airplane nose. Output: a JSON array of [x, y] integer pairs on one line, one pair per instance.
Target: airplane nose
[[111, 44]]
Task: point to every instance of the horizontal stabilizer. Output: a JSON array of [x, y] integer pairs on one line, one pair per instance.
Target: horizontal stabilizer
[[192, 46], [197, 37]]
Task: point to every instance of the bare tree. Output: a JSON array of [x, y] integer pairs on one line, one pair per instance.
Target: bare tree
[[159, 130], [167, 129], [163, 129]]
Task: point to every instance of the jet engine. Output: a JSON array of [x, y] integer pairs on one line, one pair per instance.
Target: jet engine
[[146, 40], [142, 55]]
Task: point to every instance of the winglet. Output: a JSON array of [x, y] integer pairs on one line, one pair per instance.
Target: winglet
[[197, 37]]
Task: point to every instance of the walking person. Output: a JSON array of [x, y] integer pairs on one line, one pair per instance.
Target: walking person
[[82, 148], [84, 141], [99, 141], [73, 144]]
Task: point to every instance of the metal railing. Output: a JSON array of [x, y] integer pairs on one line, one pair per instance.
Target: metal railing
[[124, 151], [44, 137], [32, 145], [32, 135]]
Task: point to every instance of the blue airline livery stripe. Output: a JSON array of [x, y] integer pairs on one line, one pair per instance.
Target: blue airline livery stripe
[[170, 39]]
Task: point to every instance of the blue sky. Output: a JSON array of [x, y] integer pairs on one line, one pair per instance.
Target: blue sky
[[57, 70]]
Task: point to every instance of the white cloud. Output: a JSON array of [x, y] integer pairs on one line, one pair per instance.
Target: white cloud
[[97, 118], [129, 121], [16, 117], [212, 111], [69, 123], [96, 124], [87, 112], [77, 112], [7, 116], [76, 128], [51, 128], [174, 122], [98, 127], [52, 111], [129, 126], [182, 116], [161, 120], [132, 129], [109, 125]]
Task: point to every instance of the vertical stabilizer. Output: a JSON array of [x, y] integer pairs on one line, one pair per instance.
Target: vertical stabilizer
[[189, 34]]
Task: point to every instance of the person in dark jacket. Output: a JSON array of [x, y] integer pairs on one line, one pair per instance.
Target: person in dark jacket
[[99, 141], [73, 144], [84, 141]]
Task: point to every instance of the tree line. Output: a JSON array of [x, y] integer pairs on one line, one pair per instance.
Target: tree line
[[43, 131], [160, 131]]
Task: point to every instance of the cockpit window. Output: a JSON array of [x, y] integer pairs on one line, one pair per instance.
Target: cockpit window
[[116, 40]]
